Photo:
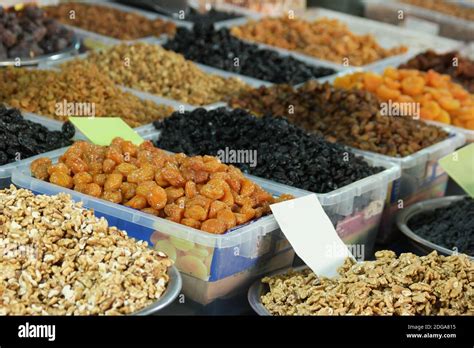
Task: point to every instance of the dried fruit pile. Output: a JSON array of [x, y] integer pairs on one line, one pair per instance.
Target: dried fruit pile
[[218, 48], [407, 285], [285, 153], [30, 33], [109, 21], [351, 117], [20, 138], [151, 68], [40, 91], [447, 7], [450, 227], [327, 39], [441, 100], [198, 192], [460, 68], [59, 259]]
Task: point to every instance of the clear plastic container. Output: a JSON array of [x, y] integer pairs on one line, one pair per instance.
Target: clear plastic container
[[386, 35], [422, 178], [448, 26], [215, 266]]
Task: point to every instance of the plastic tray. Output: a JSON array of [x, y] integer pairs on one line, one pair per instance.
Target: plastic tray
[[218, 265], [355, 209], [422, 178], [418, 242], [172, 291], [386, 35], [449, 26]]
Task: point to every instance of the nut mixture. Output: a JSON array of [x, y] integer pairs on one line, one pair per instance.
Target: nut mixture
[[151, 68], [60, 259], [109, 21], [441, 99], [407, 285], [39, 91], [351, 117], [328, 39], [199, 192]]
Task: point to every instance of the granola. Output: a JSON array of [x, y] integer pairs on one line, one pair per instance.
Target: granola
[[58, 258], [407, 285]]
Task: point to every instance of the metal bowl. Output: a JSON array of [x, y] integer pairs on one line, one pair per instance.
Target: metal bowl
[[172, 291], [258, 289], [73, 48], [418, 242]]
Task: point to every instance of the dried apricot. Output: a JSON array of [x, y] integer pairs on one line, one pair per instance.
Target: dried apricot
[[213, 226], [157, 198], [61, 179], [137, 202], [40, 167], [93, 189], [174, 193], [113, 182], [195, 212]]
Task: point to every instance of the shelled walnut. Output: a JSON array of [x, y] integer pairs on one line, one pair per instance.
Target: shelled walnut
[[60, 259], [407, 285]]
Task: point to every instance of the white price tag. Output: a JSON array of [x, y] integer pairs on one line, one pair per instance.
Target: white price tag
[[310, 232]]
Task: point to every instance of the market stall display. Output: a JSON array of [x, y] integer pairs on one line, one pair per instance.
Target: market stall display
[[109, 21], [84, 267], [327, 39], [220, 145], [390, 285], [219, 49], [150, 68], [442, 224], [460, 68], [42, 91]]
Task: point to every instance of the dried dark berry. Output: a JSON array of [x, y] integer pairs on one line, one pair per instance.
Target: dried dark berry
[[20, 138], [284, 152], [450, 227], [218, 48]]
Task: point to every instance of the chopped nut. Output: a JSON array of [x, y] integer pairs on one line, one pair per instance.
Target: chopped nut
[[59, 273], [413, 285]]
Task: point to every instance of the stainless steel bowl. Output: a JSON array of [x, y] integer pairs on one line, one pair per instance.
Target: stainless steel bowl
[[72, 49], [418, 242], [258, 289], [172, 291]]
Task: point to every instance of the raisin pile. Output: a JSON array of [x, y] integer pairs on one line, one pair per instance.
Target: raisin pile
[[450, 227], [285, 153], [199, 192], [20, 138], [351, 117], [30, 33], [219, 49]]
